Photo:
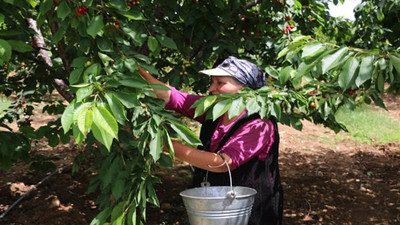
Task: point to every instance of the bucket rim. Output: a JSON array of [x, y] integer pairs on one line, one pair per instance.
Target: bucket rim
[[254, 192]]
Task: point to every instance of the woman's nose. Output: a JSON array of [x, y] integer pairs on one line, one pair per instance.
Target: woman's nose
[[211, 88]]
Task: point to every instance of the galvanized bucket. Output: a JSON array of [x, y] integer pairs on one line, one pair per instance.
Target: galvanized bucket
[[219, 205]]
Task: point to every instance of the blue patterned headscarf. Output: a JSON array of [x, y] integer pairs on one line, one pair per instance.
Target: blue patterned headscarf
[[244, 71]]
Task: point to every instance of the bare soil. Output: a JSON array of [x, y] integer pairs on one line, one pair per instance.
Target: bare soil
[[325, 181]]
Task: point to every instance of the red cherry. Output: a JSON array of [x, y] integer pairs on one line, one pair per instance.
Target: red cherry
[[287, 18], [351, 92], [80, 10], [129, 4], [311, 92], [84, 8], [285, 30], [56, 3]]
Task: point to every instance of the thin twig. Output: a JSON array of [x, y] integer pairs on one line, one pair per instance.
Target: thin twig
[[34, 188], [309, 207]]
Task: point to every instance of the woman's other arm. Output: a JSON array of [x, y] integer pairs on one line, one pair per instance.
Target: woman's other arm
[[201, 159]]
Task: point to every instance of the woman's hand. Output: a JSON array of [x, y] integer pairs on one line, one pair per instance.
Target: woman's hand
[[202, 159], [161, 94]]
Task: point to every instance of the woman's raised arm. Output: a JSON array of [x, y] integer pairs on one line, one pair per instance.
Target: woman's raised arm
[[161, 94]]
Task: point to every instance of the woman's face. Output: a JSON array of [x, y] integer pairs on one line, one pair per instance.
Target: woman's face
[[223, 85]]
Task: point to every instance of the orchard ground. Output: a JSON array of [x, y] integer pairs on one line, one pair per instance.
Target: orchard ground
[[326, 181]]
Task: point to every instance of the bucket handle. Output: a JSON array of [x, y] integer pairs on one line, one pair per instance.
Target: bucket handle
[[231, 193]]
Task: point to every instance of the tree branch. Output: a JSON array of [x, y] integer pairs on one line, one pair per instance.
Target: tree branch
[[61, 85]]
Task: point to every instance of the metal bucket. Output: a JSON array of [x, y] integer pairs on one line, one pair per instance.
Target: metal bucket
[[219, 205]]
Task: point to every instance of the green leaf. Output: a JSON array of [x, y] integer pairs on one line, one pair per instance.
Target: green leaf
[[312, 49], [63, 10], [293, 45], [252, 106], [61, 31], [53, 140], [132, 14], [296, 123], [105, 121], [95, 26], [75, 76], [159, 87], [84, 92], [102, 135], [5, 51], [156, 145], [186, 134], [105, 58], [79, 62], [167, 42], [237, 108], [78, 136], [20, 46], [307, 66], [347, 76], [366, 68], [131, 64], [275, 110], [152, 193], [380, 83], [117, 212], [152, 43], [134, 83], [117, 187], [203, 104], [85, 120], [330, 61], [168, 143], [137, 36], [117, 108], [128, 99], [68, 115], [285, 74], [105, 45], [93, 69], [396, 62], [101, 217], [220, 108]]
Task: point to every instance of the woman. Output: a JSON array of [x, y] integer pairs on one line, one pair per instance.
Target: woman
[[247, 143]]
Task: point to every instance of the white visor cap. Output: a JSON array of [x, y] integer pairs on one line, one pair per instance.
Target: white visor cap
[[216, 72]]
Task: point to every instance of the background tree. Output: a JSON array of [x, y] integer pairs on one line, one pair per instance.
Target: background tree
[[89, 52]]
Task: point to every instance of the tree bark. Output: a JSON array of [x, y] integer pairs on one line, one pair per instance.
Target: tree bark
[[61, 85]]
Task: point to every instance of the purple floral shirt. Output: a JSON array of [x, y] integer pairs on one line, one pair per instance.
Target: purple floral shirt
[[253, 139]]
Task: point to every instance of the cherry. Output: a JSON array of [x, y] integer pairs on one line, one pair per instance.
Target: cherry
[[287, 18], [56, 3], [130, 4], [285, 30], [351, 92], [81, 11], [313, 105], [311, 92], [116, 24]]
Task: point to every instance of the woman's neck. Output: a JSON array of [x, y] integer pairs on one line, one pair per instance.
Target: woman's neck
[[226, 121]]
